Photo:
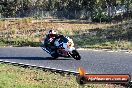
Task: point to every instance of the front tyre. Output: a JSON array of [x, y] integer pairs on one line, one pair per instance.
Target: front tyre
[[75, 55]]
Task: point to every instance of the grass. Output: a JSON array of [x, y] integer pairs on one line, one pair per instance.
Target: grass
[[101, 43], [91, 35], [19, 77], [87, 35]]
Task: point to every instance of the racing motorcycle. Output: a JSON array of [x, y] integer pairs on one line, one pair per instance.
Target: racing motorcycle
[[65, 48]]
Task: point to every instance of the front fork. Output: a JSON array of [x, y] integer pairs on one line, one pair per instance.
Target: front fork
[[70, 54], [70, 51]]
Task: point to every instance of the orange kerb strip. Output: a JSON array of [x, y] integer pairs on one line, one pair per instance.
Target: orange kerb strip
[[81, 71]]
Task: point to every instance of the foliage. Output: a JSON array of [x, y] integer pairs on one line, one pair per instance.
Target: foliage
[[23, 8]]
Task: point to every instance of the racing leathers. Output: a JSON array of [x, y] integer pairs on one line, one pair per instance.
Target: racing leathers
[[49, 43]]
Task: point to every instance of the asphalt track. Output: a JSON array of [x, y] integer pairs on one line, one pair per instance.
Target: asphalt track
[[94, 62]]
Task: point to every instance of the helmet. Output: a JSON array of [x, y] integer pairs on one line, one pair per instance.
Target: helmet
[[52, 33]]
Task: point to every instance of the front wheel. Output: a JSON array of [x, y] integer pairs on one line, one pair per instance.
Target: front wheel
[[75, 55]]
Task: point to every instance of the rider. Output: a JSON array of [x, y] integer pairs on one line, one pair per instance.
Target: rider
[[50, 39]]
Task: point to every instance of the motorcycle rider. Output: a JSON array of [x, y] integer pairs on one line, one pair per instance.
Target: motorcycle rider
[[50, 39]]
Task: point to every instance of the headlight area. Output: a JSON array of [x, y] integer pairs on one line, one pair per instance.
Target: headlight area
[[69, 44]]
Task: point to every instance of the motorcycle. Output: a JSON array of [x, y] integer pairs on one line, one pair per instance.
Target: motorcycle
[[65, 48]]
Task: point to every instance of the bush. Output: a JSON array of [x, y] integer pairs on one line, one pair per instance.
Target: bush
[[100, 17]]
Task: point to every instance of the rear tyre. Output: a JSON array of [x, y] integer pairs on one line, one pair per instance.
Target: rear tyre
[[55, 55], [75, 55]]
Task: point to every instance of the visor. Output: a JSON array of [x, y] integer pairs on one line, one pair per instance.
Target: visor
[[51, 35]]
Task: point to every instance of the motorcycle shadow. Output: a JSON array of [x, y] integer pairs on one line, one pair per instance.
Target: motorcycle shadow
[[35, 58]]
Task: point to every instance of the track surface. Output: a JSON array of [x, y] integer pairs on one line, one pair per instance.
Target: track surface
[[94, 62]]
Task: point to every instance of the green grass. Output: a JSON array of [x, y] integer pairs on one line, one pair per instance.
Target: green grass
[[94, 35], [101, 43], [85, 41], [19, 42], [19, 77]]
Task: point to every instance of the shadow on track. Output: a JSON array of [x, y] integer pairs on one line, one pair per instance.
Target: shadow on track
[[35, 58]]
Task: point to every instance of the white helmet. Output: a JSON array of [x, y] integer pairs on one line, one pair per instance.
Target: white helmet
[[51, 33]]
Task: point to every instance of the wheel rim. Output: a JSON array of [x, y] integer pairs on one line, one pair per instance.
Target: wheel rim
[[76, 55]]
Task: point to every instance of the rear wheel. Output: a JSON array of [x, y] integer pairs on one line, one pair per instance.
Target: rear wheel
[[55, 55], [75, 55]]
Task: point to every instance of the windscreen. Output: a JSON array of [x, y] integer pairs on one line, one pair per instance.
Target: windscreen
[[63, 39]]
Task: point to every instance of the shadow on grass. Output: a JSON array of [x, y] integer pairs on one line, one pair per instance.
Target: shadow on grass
[[20, 43], [113, 37]]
